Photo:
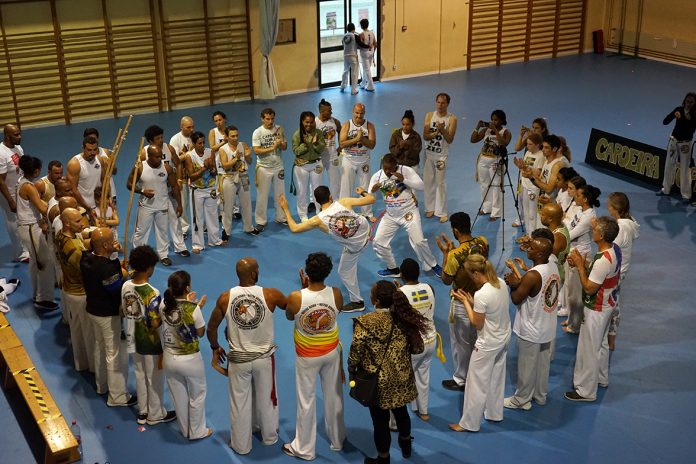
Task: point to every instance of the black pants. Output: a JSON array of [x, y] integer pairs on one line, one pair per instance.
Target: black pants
[[380, 424]]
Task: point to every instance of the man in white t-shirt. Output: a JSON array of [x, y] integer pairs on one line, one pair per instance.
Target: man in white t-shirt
[[536, 296], [10, 152], [268, 142], [182, 144], [398, 185], [600, 287]]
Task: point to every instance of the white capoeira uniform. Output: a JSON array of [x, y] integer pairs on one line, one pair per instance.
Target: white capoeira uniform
[[90, 178], [422, 299], [9, 165], [318, 354], [184, 367], [485, 385], [140, 305], [251, 368], [678, 153], [182, 145], [235, 186], [402, 211], [580, 232], [435, 167], [153, 210], [269, 173], [490, 173], [175, 228], [204, 191], [329, 156], [350, 62], [593, 351], [351, 230], [535, 327], [356, 163], [41, 268], [529, 193], [366, 58]]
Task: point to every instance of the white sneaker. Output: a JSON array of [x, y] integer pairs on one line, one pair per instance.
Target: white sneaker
[[508, 403], [562, 312]]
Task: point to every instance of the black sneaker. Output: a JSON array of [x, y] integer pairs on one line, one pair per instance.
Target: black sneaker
[[131, 402], [184, 253], [224, 237], [237, 215], [451, 385], [142, 419], [46, 305], [171, 415], [259, 228], [573, 396], [354, 306], [166, 262], [252, 232]]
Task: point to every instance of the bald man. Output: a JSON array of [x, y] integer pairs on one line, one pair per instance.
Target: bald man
[[536, 297], [356, 139], [248, 311], [69, 250], [103, 277], [182, 144], [155, 179], [10, 152], [551, 216]]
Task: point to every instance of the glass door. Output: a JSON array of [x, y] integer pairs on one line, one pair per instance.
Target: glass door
[[333, 15]]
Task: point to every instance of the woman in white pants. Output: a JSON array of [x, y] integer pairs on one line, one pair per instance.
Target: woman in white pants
[[308, 143], [532, 162], [182, 326], [489, 171], [680, 147], [488, 312], [32, 223]]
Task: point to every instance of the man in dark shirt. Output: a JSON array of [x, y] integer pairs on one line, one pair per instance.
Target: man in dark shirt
[[103, 278]]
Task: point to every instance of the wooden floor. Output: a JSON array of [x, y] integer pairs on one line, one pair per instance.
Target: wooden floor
[[645, 416]]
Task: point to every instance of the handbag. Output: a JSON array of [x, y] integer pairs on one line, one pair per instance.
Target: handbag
[[366, 384]]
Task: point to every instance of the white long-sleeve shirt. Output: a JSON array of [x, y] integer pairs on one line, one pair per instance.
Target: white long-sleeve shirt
[[399, 196]]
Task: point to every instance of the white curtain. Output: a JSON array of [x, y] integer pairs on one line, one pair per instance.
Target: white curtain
[[268, 9]]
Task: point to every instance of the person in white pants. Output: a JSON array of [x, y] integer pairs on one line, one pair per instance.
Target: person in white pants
[[234, 158], [330, 127], [356, 139], [488, 312], [182, 144], [532, 161], [350, 60], [536, 296], [32, 225], [368, 38], [680, 148], [398, 185], [344, 225], [10, 153], [600, 288], [462, 333], [422, 299], [308, 143], [140, 304], [248, 311], [69, 250], [182, 326], [155, 178], [438, 133], [314, 310], [201, 169], [268, 142], [489, 170]]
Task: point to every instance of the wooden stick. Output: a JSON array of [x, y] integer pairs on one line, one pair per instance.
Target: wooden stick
[[120, 138], [130, 200]]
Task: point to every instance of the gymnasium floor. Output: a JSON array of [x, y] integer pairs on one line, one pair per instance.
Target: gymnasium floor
[[646, 414]]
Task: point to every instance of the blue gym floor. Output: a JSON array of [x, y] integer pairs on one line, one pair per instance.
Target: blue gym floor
[[645, 416]]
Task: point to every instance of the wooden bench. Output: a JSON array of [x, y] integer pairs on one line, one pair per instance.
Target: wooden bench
[[19, 372]]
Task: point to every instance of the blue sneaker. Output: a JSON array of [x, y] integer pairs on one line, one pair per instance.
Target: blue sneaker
[[386, 273], [437, 270]]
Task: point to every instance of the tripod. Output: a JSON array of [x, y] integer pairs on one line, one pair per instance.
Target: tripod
[[501, 165]]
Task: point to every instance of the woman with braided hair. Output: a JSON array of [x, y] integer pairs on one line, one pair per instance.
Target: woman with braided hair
[[384, 341]]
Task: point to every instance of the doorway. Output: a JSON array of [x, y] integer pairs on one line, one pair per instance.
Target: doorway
[[333, 15]]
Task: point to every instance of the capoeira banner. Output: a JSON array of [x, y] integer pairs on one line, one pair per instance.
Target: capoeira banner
[[642, 164]]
